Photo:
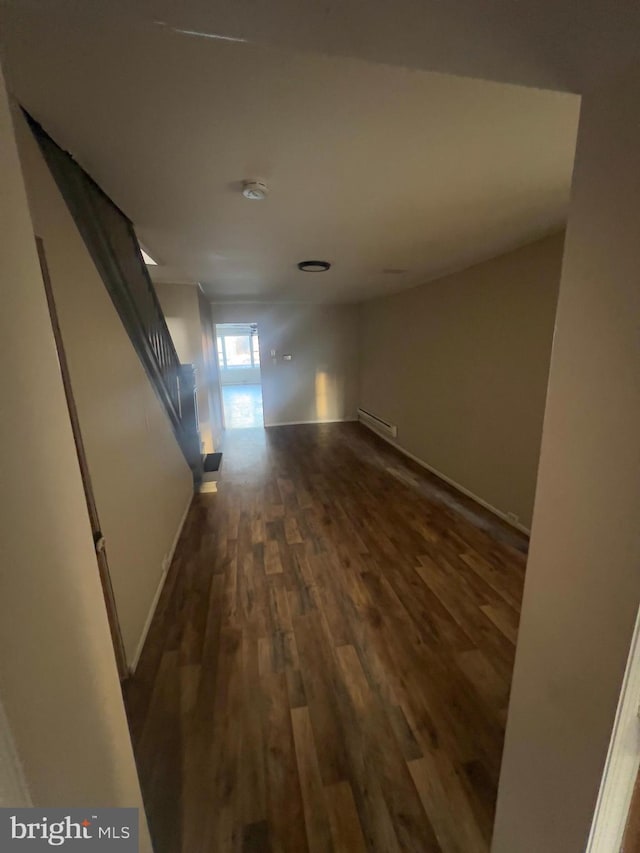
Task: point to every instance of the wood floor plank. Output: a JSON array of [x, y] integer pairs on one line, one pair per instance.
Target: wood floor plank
[[319, 689], [272, 559], [383, 760], [252, 775], [343, 816], [503, 618], [285, 811], [444, 800], [493, 689], [315, 813], [330, 661]]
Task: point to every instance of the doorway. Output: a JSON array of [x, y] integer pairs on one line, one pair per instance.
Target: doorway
[[240, 377]]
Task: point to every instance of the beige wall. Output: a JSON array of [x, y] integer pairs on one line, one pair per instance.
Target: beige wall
[[141, 481], [460, 365], [14, 791], [58, 679], [179, 304], [583, 577], [211, 368], [320, 382], [181, 308]]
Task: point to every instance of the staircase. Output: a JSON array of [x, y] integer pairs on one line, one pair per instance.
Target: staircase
[[111, 241]]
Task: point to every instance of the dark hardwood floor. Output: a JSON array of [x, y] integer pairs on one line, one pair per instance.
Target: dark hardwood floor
[[330, 662]]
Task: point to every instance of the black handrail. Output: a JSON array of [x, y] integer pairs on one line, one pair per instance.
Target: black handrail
[[112, 243]]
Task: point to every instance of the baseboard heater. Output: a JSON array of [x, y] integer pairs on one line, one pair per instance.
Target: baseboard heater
[[377, 423]]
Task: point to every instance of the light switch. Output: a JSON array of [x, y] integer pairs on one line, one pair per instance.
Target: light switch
[[287, 357]]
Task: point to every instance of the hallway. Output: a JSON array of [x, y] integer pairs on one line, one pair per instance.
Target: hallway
[[330, 662]]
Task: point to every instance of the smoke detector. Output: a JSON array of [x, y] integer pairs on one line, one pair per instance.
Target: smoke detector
[[255, 190]]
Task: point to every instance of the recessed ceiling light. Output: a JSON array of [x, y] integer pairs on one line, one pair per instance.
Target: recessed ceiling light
[[314, 266], [255, 190]]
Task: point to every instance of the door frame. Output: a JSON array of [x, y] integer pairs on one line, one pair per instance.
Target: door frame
[[220, 367], [623, 761], [92, 509]]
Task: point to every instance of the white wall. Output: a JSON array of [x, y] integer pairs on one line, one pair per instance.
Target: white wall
[[58, 676], [179, 303], [583, 577], [240, 375], [141, 481], [211, 370], [460, 365], [180, 306], [320, 382]]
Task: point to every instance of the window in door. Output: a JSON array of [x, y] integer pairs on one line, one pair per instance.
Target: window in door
[[238, 350]]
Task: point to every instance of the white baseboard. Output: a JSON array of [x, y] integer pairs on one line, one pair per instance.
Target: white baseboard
[[457, 486], [317, 421], [158, 592]]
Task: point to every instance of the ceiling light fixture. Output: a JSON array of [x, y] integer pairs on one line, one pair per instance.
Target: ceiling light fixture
[[255, 190], [314, 266]]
